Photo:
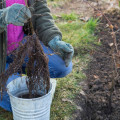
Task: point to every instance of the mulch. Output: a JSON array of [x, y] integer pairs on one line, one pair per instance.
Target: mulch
[[98, 103]]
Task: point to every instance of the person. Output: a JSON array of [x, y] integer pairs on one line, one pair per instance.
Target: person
[[14, 17]]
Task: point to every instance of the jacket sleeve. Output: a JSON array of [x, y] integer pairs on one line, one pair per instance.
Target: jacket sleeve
[[2, 25], [44, 23]]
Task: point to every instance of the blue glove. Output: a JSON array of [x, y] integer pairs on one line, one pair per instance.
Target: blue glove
[[16, 14], [65, 50]]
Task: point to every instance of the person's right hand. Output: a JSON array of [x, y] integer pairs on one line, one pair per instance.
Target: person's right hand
[[16, 14]]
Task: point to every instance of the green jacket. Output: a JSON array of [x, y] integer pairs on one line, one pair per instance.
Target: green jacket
[[3, 45], [43, 22], [43, 25]]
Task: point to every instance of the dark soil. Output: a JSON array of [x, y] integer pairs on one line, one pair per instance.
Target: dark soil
[[27, 96], [98, 103], [82, 8]]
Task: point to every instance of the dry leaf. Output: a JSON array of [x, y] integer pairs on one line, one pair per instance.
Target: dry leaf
[[85, 19], [96, 77], [109, 85], [107, 25], [70, 21], [111, 44], [70, 101], [99, 40], [67, 100], [98, 14], [118, 52], [82, 92], [111, 26], [118, 65], [58, 16], [92, 52]]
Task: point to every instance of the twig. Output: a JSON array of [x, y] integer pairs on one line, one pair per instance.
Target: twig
[[115, 73]]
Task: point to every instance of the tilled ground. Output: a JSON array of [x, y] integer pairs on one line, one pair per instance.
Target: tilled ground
[[81, 7], [98, 103]]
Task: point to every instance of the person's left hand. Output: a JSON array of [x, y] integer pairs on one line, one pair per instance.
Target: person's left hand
[[65, 50]]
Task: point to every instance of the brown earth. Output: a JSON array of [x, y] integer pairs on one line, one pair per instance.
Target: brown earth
[[96, 101], [100, 101], [81, 7]]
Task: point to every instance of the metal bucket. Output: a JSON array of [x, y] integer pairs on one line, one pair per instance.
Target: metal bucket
[[29, 109]]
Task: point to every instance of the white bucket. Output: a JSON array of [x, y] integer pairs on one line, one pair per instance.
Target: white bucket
[[29, 109]]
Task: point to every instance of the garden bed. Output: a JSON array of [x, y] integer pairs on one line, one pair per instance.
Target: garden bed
[[100, 75]]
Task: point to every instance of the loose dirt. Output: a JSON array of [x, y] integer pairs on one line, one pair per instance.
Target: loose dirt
[[81, 8], [94, 100], [96, 103], [26, 96]]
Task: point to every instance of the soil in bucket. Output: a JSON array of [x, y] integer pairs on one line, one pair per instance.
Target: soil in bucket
[[26, 96]]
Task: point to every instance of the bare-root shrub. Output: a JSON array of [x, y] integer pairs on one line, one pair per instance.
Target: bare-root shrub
[[36, 68]]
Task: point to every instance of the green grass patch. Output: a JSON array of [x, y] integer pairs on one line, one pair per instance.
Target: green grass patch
[[71, 16], [55, 17], [91, 25], [66, 17], [4, 115], [80, 34]]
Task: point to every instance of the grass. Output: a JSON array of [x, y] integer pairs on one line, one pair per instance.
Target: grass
[[81, 36], [4, 115], [66, 17], [67, 88], [71, 16]]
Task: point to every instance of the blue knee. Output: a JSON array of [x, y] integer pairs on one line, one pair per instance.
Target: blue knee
[[56, 64], [5, 102], [60, 71]]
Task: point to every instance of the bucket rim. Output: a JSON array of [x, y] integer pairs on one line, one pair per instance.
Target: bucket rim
[[31, 99]]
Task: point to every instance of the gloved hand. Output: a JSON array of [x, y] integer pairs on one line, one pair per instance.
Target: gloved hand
[[65, 50], [16, 14]]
